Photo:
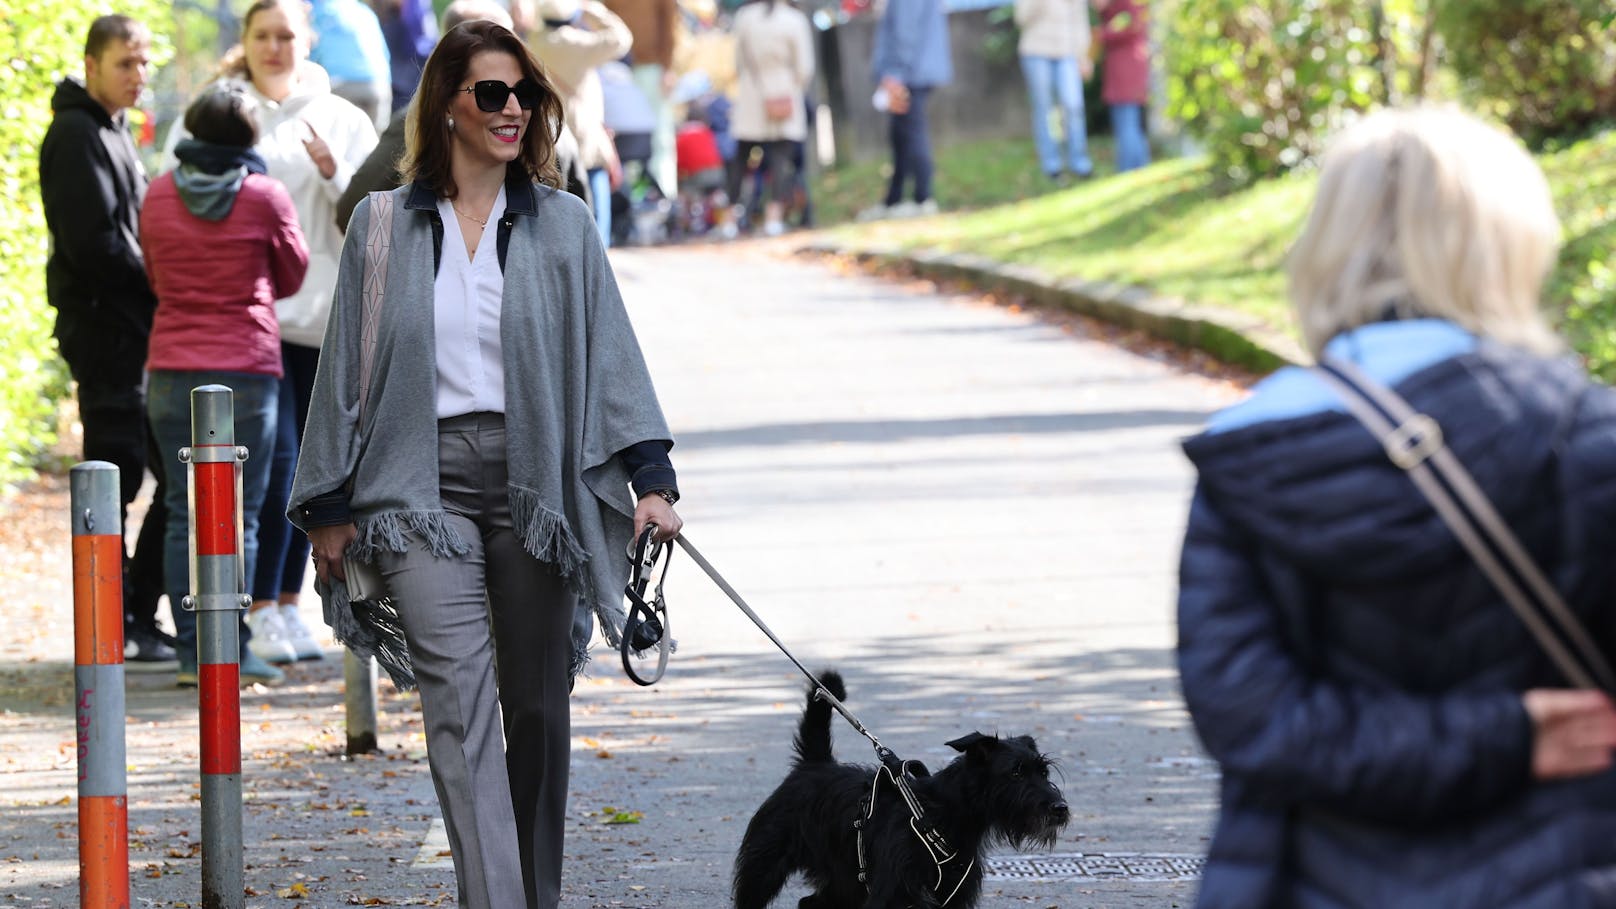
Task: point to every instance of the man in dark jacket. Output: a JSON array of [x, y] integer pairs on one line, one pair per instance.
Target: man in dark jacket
[[93, 183]]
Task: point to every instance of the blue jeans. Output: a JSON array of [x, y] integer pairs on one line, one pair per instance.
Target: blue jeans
[[283, 550], [1128, 127], [600, 196], [169, 402], [911, 149], [1057, 76]]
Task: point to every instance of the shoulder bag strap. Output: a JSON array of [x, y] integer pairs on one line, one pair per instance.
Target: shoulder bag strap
[[378, 244], [1413, 442]]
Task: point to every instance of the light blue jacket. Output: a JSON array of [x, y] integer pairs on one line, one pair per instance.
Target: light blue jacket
[[350, 47], [912, 45]]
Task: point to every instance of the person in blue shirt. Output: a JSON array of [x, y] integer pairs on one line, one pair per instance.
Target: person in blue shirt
[[912, 57], [350, 46]]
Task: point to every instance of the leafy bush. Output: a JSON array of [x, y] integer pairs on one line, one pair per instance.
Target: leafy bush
[[39, 43], [1545, 67], [1583, 287], [1263, 83]]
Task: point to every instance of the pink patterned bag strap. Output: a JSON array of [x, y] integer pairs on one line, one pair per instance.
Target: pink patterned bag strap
[[378, 243]]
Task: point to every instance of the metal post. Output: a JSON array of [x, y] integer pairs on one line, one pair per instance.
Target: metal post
[[217, 598], [98, 685], [359, 693]]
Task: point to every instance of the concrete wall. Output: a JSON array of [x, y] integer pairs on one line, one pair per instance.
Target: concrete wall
[[987, 100]]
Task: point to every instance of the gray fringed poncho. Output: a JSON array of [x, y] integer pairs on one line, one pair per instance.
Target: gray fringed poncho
[[577, 392]]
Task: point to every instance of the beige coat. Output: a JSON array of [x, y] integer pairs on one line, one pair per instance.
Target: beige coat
[[570, 55], [774, 57], [1053, 28]]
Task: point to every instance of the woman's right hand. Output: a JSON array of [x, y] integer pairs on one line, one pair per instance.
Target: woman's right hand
[[1573, 732], [329, 544]]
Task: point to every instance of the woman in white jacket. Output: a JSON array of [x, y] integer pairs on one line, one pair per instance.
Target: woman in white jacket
[[312, 141], [1054, 51], [774, 61]]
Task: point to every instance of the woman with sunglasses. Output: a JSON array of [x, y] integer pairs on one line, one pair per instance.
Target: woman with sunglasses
[[500, 341]]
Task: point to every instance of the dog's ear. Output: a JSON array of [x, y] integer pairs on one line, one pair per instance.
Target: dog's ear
[[973, 743]]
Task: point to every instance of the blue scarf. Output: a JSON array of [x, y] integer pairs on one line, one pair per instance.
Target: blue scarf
[[210, 176]]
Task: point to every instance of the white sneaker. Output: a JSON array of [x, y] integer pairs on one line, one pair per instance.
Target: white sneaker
[[904, 209], [773, 228], [269, 640], [874, 213], [302, 640], [926, 209]]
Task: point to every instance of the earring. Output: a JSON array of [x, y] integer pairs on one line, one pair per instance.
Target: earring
[[451, 124]]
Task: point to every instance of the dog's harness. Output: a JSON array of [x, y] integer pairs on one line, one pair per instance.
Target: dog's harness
[[942, 854], [892, 768]]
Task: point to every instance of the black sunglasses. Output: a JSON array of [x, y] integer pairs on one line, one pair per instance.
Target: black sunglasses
[[491, 94]]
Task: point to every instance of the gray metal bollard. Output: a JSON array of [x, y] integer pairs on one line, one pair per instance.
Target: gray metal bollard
[[217, 597], [359, 696]]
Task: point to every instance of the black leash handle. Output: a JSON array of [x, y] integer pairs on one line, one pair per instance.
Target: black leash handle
[[646, 625]]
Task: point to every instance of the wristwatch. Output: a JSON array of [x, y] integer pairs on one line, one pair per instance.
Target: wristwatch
[[668, 495]]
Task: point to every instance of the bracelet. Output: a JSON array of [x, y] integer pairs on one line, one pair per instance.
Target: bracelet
[[668, 495]]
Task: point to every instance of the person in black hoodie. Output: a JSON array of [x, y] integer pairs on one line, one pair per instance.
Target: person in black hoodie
[[93, 183]]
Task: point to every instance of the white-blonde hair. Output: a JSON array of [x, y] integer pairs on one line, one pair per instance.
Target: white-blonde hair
[[1427, 212]]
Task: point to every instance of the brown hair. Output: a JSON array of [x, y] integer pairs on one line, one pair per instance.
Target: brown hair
[[426, 134], [108, 29], [234, 63], [224, 115]]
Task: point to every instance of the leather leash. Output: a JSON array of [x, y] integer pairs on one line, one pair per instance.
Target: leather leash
[[893, 768]]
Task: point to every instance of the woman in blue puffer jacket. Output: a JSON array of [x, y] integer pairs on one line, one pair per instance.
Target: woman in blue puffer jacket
[[1389, 734]]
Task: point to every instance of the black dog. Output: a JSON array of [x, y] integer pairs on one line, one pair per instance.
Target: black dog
[[998, 790]]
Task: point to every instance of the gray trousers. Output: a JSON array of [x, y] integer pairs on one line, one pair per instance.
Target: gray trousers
[[490, 636]]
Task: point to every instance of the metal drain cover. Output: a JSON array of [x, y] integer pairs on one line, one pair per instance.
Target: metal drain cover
[[1091, 866]]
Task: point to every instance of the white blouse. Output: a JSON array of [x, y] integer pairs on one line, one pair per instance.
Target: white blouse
[[466, 300]]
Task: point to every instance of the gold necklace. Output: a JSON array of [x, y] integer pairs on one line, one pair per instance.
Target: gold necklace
[[481, 222]]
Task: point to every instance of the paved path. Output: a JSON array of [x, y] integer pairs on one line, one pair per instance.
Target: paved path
[[973, 513]]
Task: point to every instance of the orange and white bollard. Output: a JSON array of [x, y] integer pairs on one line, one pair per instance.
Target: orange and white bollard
[[98, 685]]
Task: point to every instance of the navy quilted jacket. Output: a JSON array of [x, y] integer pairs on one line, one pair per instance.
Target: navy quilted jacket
[[1358, 679]]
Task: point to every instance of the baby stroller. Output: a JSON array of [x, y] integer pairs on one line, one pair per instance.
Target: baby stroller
[[640, 207]]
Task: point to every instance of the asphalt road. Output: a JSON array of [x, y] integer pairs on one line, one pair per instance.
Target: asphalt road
[[971, 511]]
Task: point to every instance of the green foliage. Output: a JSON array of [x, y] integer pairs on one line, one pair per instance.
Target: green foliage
[[1545, 67], [39, 44], [1583, 288], [1263, 83]]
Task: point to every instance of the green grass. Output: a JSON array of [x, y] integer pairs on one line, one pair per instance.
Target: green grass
[[1173, 228]]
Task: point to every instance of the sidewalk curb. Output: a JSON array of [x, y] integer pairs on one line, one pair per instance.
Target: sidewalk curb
[[1234, 339]]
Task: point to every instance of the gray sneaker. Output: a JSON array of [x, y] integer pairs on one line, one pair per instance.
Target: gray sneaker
[[144, 650]]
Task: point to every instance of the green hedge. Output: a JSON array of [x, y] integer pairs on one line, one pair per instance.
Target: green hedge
[[39, 43], [1545, 67], [1263, 83]]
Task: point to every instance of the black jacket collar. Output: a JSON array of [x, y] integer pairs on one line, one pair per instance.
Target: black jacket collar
[[521, 194]]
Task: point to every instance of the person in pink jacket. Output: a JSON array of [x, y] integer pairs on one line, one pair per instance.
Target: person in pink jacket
[[222, 244], [1125, 35]]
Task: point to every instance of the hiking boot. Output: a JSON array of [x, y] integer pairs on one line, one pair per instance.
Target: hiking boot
[[144, 650], [298, 634], [270, 641], [185, 677]]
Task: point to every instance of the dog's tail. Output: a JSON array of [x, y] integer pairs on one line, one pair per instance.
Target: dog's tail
[[813, 734]]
